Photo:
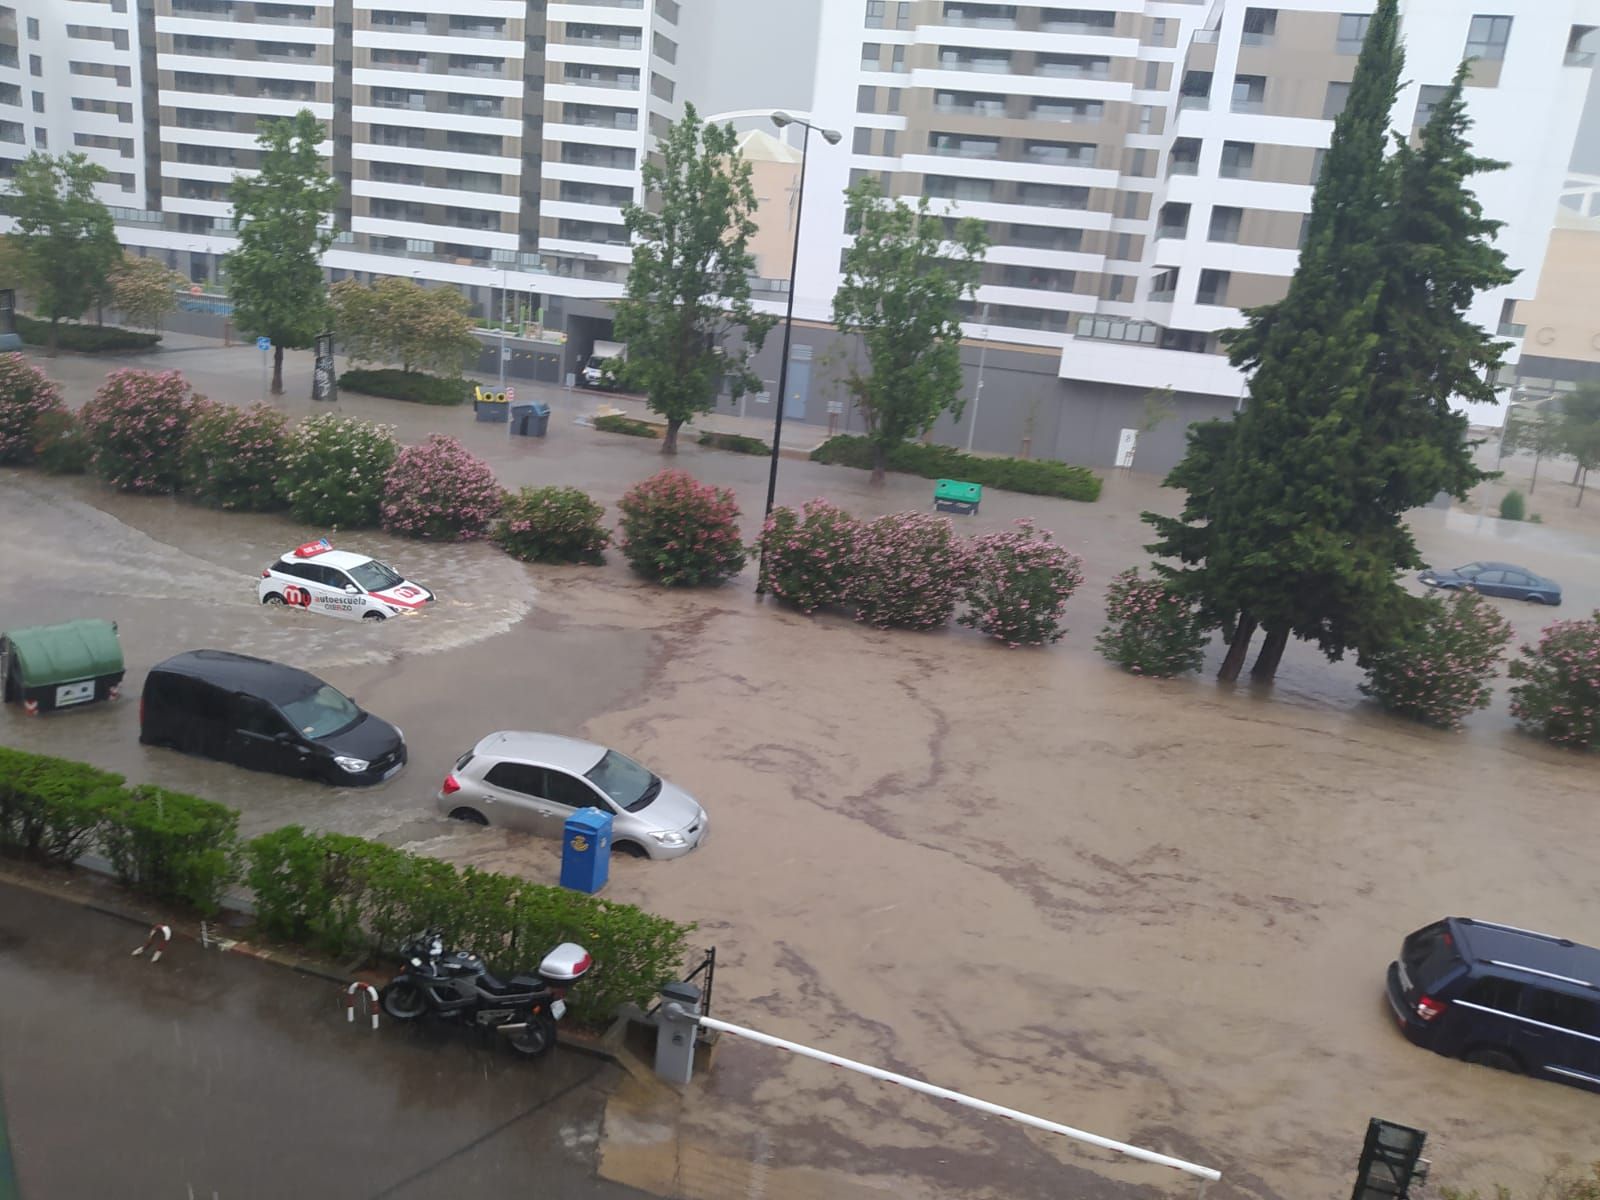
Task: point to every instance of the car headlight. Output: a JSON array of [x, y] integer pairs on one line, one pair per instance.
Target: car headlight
[[353, 765], [669, 838]]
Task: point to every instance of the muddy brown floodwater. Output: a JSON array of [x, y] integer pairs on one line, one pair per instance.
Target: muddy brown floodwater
[[1159, 911]]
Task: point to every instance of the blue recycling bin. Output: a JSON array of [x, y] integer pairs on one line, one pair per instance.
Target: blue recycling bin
[[586, 850]]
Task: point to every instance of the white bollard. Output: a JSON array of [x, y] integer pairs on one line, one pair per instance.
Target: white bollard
[[164, 933], [368, 994]]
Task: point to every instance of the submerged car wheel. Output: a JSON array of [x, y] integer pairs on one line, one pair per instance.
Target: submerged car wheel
[[631, 849], [1498, 1060], [272, 598], [372, 616], [470, 815]]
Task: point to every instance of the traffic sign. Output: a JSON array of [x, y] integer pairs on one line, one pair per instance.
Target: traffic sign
[[263, 344]]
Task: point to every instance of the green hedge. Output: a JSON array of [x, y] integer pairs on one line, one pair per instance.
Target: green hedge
[[612, 423], [341, 895], [736, 442], [345, 895], [1038, 477], [84, 339], [417, 387]]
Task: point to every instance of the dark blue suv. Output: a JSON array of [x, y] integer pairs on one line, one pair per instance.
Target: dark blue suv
[[1502, 997]]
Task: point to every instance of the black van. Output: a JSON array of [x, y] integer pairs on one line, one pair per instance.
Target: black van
[[1501, 996], [265, 716]]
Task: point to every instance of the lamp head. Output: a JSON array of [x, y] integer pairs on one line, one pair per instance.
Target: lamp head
[[831, 136], [780, 119]]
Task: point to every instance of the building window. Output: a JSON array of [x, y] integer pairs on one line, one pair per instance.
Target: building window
[[1195, 91], [1047, 109], [967, 58], [1039, 278], [1213, 287], [971, 104], [1052, 195], [1117, 287], [891, 100], [1060, 154], [871, 52], [1249, 93], [866, 99], [897, 60], [862, 142], [38, 101], [1352, 32], [1338, 96], [33, 29], [1072, 66], [875, 12], [1185, 157], [1225, 224], [1158, 32], [41, 139], [1137, 163], [1238, 160], [1147, 118], [1044, 237], [1174, 220], [1428, 97], [36, 66], [888, 145], [1487, 37], [1259, 26], [950, 187], [963, 145]]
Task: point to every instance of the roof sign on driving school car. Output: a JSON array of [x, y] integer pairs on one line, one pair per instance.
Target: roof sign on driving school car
[[312, 549]]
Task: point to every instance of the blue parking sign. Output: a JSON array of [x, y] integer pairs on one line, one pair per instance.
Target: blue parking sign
[[263, 344]]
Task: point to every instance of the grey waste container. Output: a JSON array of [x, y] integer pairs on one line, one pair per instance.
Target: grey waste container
[[538, 421], [521, 417]]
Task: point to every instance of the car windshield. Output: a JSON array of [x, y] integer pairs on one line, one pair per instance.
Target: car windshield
[[322, 713], [625, 781], [374, 576], [1470, 570]]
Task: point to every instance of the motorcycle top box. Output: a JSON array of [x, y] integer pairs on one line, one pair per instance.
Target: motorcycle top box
[[565, 965]]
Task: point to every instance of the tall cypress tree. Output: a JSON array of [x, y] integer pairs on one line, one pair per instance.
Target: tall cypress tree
[[1295, 515]]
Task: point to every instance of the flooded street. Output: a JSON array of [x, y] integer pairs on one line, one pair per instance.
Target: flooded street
[[1159, 911]]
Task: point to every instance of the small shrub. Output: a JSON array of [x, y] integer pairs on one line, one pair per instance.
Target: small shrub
[[679, 532], [1018, 585], [1439, 670], [52, 809], [232, 456], [808, 558], [1512, 506], [1557, 696], [738, 443], [136, 424], [60, 445], [439, 491], [85, 339], [552, 524], [1535, 519], [417, 387], [910, 570], [613, 423], [173, 847], [27, 395], [1150, 629], [1038, 477], [334, 469]]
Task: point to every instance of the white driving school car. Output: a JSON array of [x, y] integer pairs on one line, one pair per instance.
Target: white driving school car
[[340, 583]]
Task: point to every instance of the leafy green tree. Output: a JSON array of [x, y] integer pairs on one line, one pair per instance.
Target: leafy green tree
[[904, 280], [1577, 433], [144, 289], [65, 242], [399, 320], [282, 213], [687, 319], [1534, 429], [1298, 526]]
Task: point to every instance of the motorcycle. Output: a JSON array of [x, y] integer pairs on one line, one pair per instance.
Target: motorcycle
[[457, 985]]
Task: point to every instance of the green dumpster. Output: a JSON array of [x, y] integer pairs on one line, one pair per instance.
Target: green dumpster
[[59, 666], [952, 495]]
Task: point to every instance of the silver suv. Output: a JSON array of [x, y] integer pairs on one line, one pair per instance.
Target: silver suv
[[535, 781]]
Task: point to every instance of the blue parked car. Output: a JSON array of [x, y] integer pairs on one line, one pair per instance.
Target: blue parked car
[[1501, 997], [1495, 579]]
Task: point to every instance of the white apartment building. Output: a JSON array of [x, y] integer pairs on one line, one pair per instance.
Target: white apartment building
[[1143, 166]]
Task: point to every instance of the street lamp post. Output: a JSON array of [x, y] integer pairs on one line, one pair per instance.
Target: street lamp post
[[831, 136]]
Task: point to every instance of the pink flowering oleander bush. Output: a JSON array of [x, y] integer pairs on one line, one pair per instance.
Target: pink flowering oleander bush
[[553, 524], [1018, 584], [808, 557], [334, 470], [232, 456], [679, 532], [910, 570], [1557, 693], [1150, 629], [26, 395], [136, 425], [1439, 669], [439, 491]]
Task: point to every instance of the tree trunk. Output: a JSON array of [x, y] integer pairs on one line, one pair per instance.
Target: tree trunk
[[1271, 653], [880, 462], [52, 344], [277, 369], [1576, 471], [669, 444], [1238, 647], [1583, 486], [99, 314], [1534, 482]]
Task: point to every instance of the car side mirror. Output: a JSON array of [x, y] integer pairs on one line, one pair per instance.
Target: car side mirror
[[352, 589]]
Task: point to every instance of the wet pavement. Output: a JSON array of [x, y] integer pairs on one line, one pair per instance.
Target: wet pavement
[[1156, 910], [210, 1075]]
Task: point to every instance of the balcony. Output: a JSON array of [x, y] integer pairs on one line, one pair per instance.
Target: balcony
[[412, 26], [1579, 58], [1117, 329], [1510, 329], [621, 83]]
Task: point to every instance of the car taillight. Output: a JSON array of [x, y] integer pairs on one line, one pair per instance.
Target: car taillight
[[450, 785], [1428, 1008], [266, 574]]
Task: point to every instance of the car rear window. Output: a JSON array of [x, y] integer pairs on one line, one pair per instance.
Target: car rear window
[[463, 760], [1429, 955]]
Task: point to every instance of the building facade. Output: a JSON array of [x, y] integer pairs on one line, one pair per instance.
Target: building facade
[[1144, 167]]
